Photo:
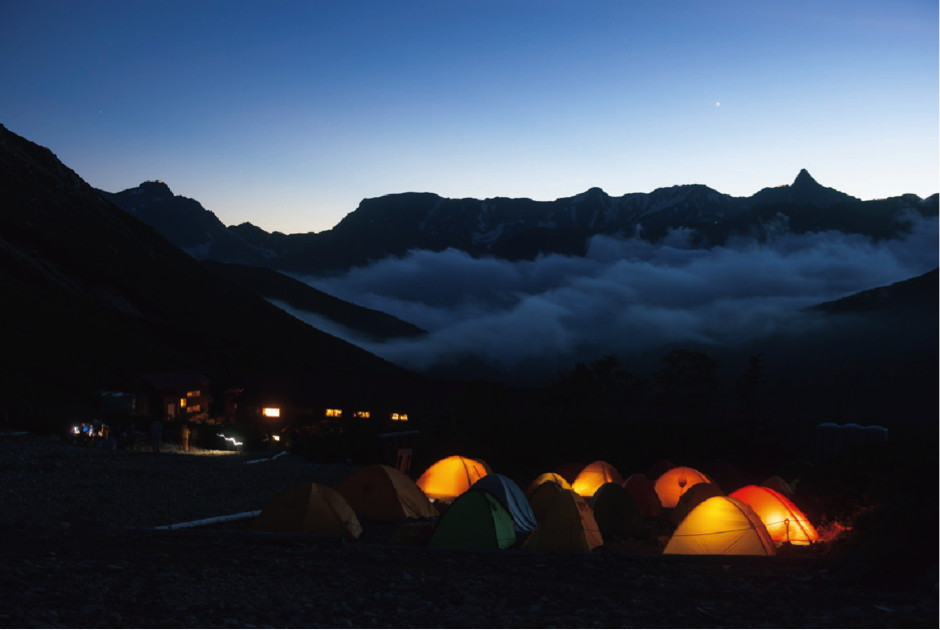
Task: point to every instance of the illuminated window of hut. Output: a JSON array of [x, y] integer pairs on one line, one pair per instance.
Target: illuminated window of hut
[[193, 394], [400, 417], [193, 408], [272, 412], [334, 413], [361, 414], [182, 402]]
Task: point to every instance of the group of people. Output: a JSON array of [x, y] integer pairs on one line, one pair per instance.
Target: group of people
[[97, 434]]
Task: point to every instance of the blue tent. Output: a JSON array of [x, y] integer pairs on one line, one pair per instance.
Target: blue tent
[[512, 498]]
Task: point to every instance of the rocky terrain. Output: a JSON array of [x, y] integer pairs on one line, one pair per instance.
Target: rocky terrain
[[68, 559]]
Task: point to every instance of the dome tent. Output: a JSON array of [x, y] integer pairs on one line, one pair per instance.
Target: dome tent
[[561, 481], [721, 526], [475, 520], [674, 482], [644, 495], [383, 494], [449, 478], [541, 498], [511, 497], [593, 476], [309, 508], [692, 497], [616, 514], [784, 521], [568, 527]]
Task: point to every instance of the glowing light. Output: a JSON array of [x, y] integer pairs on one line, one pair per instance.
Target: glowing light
[[272, 412], [400, 417], [361, 414], [334, 413], [228, 439], [277, 438]]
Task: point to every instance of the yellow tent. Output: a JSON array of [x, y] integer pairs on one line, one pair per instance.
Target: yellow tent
[[673, 483], [449, 478], [568, 527], [383, 494], [691, 498], [547, 477], [593, 476], [721, 526], [541, 498], [309, 508]]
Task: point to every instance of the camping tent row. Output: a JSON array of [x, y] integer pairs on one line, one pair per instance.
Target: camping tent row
[[492, 512]]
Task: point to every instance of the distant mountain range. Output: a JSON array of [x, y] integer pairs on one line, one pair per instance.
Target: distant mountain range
[[94, 297], [515, 229]]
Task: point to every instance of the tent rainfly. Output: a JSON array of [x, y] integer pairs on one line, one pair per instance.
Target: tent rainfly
[[511, 497], [673, 483], [309, 508], [692, 497], [475, 520], [721, 526], [449, 478], [385, 495], [568, 526], [785, 522], [593, 476], [547, 477], [644, 495]]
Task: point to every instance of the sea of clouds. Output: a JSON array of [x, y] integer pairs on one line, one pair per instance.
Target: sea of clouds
[[625, 296]]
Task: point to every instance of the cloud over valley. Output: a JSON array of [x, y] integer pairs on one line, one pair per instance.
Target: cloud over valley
[[624, 297]]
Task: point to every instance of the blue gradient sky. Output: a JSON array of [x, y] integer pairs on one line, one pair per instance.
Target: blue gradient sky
[[288, 114]]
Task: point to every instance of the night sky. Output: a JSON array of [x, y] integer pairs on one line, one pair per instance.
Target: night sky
[[287, 114]]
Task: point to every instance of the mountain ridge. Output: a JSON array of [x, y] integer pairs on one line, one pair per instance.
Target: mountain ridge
[[512, 229]]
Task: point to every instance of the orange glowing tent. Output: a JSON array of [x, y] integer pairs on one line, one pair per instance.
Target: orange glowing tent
[[721, 526], [555, 477], [593, 476], [309, 508], [568, 526], [449, 478], [644, 495], [383, 494], [785, 522], [673, 483]]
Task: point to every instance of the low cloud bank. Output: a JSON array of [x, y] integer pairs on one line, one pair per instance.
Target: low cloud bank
[[625, 296]]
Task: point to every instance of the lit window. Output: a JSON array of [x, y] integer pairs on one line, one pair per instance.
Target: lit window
[[182, 402], [334, 413], [400, 417], [361, 414], [193, 394], [272, 412], [277, 438], [193, 408]]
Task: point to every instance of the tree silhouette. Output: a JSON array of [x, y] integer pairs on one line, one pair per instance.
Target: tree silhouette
[[687, 379]]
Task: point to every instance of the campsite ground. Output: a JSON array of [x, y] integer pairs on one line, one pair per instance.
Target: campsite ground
[[66, 560]]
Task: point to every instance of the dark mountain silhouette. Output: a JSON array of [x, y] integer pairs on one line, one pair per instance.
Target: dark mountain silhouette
[[185, 223], [95, 297], [276, 286], [517, 229]]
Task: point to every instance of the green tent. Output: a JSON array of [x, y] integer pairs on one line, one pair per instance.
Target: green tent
[[616, 514], [475, 520]]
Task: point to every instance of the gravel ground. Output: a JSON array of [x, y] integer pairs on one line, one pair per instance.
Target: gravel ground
[[68, 560]]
